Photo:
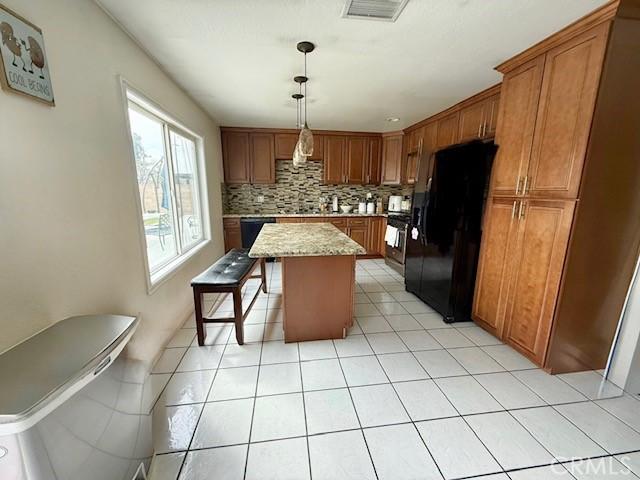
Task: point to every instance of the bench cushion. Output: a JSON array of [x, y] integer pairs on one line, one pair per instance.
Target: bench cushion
[[228, 271]]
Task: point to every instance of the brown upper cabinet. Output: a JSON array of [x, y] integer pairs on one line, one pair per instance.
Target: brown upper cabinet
[[375, 161], [357, 160], [413, 149], [286, 143], [426, 152], [351, 159], [263, 162], [478, 120], [568, 95], [414, 140], [516, 122], [361, 158], [318, 148], [392, 160], [410, 170], [421, 143], [491, 122], [429, 139], [473, 118], [248, 157], [447, 130], [545, 118], [334, 158], [472, 121], [236, 157]]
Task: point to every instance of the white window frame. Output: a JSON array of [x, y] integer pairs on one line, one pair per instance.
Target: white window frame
[[152, 109]]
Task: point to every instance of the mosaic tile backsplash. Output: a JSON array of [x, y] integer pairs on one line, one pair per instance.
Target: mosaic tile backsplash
[[298, 189]]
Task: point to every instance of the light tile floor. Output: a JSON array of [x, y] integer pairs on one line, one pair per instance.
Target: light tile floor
[[404, 396]]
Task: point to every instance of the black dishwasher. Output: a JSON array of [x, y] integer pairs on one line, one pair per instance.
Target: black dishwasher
[[250, 228]]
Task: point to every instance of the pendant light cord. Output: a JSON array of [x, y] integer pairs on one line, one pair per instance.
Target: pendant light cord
[[305, 89], [299, 107], [297, 112]]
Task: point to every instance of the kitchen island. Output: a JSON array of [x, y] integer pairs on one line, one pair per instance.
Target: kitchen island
[[318, 277]]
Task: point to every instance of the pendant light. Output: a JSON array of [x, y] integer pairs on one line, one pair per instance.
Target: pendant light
[[305, 140], [298, 158]]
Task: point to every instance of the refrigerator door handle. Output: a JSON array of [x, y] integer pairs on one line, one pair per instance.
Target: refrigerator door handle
[[423, 222], [423, 214]]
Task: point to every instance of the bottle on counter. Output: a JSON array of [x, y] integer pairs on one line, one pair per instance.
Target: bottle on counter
[[371, 206], [379, 208], [362, 206], [334, 205], [322, 204]]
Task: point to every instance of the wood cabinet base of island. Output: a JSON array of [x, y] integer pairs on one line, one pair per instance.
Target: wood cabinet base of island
[[317, 297]]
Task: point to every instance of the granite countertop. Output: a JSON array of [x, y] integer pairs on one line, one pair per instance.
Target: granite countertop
[[286, 215], [303, 240]]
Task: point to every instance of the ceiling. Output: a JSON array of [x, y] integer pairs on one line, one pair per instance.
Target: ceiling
[[237, 58]]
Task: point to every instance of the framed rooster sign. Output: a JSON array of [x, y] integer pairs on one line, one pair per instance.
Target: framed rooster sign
[[24, 66]]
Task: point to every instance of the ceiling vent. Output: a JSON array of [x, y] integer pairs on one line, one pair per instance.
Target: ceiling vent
[[385, 10]]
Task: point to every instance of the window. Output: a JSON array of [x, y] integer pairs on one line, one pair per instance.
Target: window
[[168, 178]]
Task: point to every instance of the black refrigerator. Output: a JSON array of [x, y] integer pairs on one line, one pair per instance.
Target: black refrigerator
[[443, 239]]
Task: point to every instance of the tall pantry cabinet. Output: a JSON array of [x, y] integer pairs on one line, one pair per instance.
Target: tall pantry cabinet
[[550, 106]]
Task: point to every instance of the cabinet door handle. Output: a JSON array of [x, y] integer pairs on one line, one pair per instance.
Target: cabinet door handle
[[484, 128], [513, 209], [480, 131], [521, 210], [518, 184], [526, 181]]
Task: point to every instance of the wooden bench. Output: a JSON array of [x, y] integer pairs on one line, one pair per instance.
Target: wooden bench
[[227, 275]]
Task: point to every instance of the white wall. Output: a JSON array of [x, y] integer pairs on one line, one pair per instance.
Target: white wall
[[69, 239], [624, 369]]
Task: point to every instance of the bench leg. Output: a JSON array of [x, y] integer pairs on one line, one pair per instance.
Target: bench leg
[[197, 301], [237, 311], [263, 274]]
